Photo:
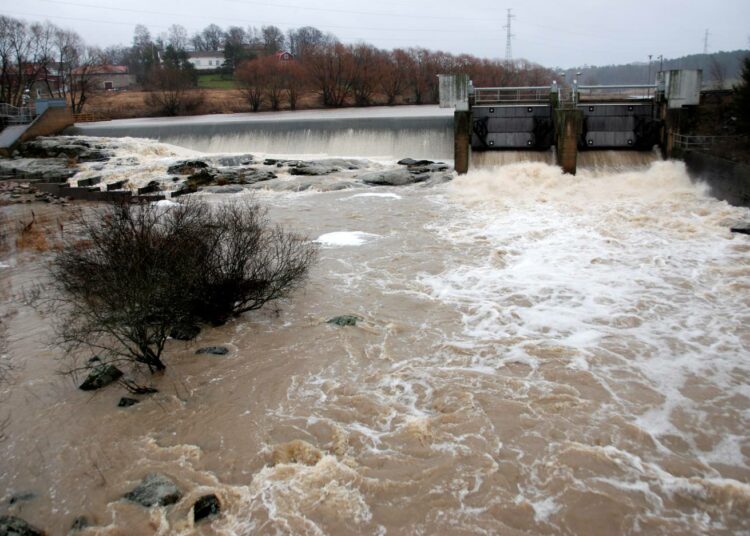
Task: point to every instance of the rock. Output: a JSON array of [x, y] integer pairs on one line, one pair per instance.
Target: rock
[[233, 160], [741, 228], [412, 162], [345, 320], [255, 175], [310, 169], [202, 177], [69, 147], [393, 177], [101, 376], [432, 168], [213, 350], [23, 496], [126, 402], [55, 170], [79, 523], [206, 506], [15, 526], [186, 167], [155, 490], [185, 333]]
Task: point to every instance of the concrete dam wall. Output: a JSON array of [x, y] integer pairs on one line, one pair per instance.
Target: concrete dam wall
[[388, 132]]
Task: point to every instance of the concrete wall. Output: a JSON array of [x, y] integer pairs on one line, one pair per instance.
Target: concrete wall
[[729, 181], [52, 121]]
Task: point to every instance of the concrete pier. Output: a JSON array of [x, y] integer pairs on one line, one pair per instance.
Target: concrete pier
[[569, 124], [462, 140]]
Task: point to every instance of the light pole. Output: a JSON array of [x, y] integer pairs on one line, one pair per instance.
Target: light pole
[[648, 80]]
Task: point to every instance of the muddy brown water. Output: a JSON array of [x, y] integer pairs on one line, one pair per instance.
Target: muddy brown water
[[539, 354]]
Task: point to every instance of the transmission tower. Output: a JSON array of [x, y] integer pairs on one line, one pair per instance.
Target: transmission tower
[[509, 38], [705, 42]]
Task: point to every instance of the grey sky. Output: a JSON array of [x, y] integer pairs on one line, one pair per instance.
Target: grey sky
[[553, 33]]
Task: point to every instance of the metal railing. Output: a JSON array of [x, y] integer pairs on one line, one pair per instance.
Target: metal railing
[[615, 92], [688, 142], [15, 115], [490, 95]]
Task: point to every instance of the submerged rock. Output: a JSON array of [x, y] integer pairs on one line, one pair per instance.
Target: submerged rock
[[80, 523], [126, 402], [185, 333], [213, 350], [741, 228], [155, 490], [225, 189], [22, 496], [345, 320], [15, 526], [101, 376], [297, 451], [206, 506]]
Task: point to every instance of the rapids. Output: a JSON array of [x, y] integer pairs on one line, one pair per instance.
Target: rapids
[[539, 354]]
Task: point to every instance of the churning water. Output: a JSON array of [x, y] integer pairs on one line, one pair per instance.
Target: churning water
[[539, 354]]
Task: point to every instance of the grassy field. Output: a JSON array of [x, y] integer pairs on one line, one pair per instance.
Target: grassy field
[[216, 81]]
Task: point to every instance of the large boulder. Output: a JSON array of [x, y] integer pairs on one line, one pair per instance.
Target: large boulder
[[79, 149], [412, 162], [206, 506], [54, 170], [392, 177], [101, 376], [345, 320], [15, 526], [155, 490], [312, 169]]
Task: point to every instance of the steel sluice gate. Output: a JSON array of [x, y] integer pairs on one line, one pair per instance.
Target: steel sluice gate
[[528, 126]]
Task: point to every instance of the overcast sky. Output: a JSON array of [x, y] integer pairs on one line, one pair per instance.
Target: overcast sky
[[551, 32]]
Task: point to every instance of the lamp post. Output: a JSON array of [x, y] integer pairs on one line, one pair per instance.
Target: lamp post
[[648, 80]]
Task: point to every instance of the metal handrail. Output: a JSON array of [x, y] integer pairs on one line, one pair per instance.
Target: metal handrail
[[511, 94], [685, 141]]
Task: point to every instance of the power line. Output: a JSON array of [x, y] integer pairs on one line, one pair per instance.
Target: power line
[[705, 42], [508, 38]]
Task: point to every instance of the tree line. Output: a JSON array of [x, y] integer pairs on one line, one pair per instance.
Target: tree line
[[356, 74]]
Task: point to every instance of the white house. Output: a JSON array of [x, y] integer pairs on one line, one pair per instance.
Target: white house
[[209, 60]]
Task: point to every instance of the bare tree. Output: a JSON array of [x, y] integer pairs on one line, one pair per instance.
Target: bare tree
[[332, 71], [250, 75], [718, 72], [135, 272], [177, 36], [171, 90]]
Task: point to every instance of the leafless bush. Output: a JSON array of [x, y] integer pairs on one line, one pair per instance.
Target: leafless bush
[[145, 270]]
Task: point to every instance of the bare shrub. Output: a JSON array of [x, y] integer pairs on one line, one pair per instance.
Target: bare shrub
[[146, 270]]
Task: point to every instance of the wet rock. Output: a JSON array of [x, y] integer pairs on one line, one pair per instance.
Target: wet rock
[[79, 523], [101, 376], [15, 526], [55, 170], [187, 167], [412, 162], [126, 402], [206, 506], [392, 177], [297, 451], [23, 496], [202, 177], [185, 333], [155, 490], [213, 350], [741, 228], [67, 147], [311, 169], [345, 320], [432, 168], [256, 175]]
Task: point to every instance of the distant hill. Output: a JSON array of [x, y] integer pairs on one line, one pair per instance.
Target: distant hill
[[720, 69]]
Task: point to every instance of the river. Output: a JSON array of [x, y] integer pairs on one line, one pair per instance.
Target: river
[[539, 354]]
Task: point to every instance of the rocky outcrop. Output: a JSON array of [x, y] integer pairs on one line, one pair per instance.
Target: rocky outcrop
[[155, 490], [312, 169], [15, 526], [54, 170], [206, 506], [187, 167], [77, 149], [101, 376], [412, 162]]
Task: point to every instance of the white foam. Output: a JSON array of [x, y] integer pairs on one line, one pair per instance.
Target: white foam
[[383, 195], [345, 238]]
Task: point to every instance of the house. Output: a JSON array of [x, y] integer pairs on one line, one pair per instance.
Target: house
[[209, 60], [111, 77], [284, 56]]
